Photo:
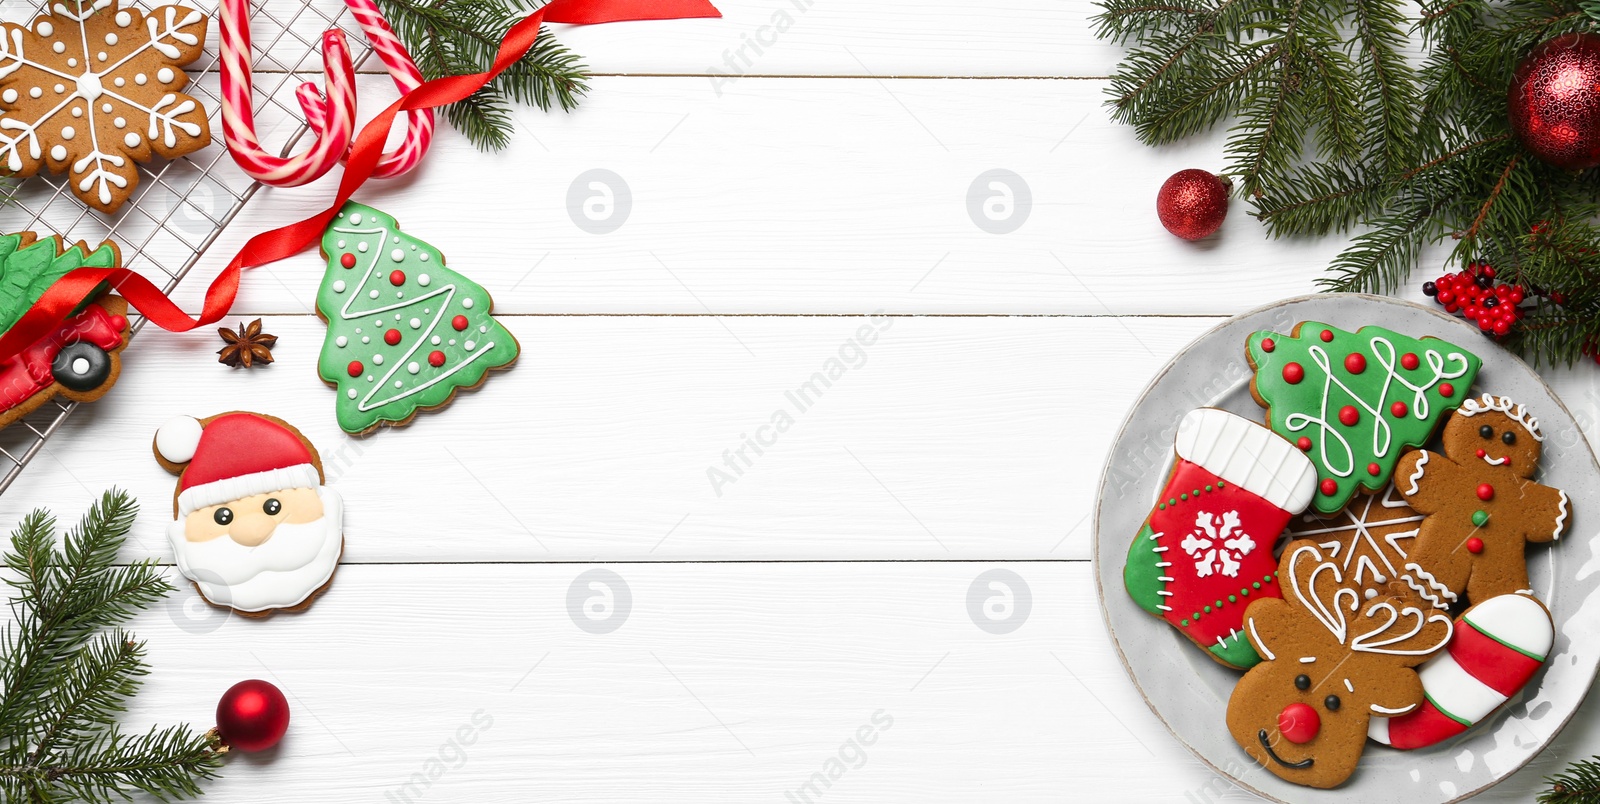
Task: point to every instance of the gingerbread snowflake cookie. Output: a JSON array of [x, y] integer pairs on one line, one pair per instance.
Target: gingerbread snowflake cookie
[[93, 88]]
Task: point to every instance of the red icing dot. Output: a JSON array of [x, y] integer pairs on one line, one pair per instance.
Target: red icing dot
[[1294, 373], [1268, 344], [1299, 723], [119, 323], [1374, 469], [459, 322], [347, 260], [1327, 336], [1399, 410], [1486, 492], [436, 358], [1447, 389], [1481, 453], [1349, 416], [397, 278], [1474, 545], [1355, 363], [1304, 444], [1329, 487], [1409, 361], [392, 337], [355, 368]]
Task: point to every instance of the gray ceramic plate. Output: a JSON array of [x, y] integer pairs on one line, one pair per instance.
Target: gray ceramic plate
[[1189, 692]]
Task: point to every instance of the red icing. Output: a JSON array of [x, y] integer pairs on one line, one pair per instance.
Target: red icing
[[436, 358], [29, 372], [1474, 545], [1355, 363], [1399, 410], [1486, 492], [1447, 389], [1481, 453], [1423, 726], [1299, 723], [1349, 416], [1409, 361], [1191, 593], [459, 322], [392, 337], [1293, 373], [235, 444], [1329, 487], [1374, 469], [397, 278], [1497, 666], [1304, 444], [355, 368], [1327, 336], [1268, 344], [347, 260]]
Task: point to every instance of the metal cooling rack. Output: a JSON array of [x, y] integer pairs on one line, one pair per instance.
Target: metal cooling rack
[[180, 207]]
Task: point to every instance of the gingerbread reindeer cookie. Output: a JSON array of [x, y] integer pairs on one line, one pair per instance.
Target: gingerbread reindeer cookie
[[1479, 501], [1331, 662]]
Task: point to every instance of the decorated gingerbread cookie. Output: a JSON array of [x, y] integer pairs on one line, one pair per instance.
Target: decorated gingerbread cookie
[[1497, 647], [1331, 662], [82, 358], [95, 87], [1205, 552], [1355, 401], [256, 530], [1371, 540], [1481, 505], [405, 333]]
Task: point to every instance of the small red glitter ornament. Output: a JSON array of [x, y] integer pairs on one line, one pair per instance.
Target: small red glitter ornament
[[252, 716], [1193, 203], [1554, 101]]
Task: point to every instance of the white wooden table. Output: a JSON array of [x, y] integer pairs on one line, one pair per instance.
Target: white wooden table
[[544, 597]]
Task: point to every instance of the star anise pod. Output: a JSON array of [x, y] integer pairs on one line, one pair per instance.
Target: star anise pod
[[246, 347]]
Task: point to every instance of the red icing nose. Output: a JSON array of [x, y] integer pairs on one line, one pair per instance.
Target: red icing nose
[[1299, 723]]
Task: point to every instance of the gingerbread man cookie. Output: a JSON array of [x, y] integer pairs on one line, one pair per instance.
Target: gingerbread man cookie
[[1331, 663], [1480, 503]]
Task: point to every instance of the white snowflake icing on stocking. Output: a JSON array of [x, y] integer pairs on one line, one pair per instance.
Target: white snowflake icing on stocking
[[92, 88], [1217, 544]]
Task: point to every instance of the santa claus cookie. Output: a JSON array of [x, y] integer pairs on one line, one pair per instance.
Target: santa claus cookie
[[1354, 401], [1205, 552], [1480, 501], [256, 530]]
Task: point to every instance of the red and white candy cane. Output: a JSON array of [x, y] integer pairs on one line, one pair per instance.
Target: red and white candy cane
[[330, 114]]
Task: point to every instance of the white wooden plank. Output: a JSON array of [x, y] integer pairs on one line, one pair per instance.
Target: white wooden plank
[[722, 683], [811, 196], [950, 438]]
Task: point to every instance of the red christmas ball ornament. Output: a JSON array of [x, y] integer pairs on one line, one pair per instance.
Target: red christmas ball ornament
[[252, 715], [1192, 203], [1554, 101]]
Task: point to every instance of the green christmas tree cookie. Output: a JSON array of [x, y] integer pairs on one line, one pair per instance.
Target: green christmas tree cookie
[[404, 332], [1354, 401]]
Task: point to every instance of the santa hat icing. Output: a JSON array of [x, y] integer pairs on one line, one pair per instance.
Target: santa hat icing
[[235, 455], [1249, 456]]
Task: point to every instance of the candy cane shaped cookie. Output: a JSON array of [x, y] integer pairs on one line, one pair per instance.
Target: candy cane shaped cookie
[[419, 125], [330, 115]]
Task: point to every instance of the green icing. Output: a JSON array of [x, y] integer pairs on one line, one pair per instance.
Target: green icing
[[1140, 574], [344, 300], [26, 272], [1343, 452], [1237, 651]]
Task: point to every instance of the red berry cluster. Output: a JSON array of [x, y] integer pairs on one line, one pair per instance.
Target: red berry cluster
[[1495, 308]]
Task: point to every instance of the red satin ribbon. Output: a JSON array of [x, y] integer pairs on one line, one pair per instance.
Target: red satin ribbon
[[66, 294]]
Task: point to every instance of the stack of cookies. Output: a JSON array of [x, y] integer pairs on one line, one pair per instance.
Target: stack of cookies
[[1361, 554]]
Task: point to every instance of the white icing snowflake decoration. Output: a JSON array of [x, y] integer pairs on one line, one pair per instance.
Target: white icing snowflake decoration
[[1217, 543], [92, 88]]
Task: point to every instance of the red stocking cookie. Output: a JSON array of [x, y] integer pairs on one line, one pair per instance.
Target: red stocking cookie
[[1206, 550], [1331, 663], [1481, 505], [1497, 646]]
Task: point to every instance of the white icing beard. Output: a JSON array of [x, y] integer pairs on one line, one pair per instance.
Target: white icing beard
[[278, 573]]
